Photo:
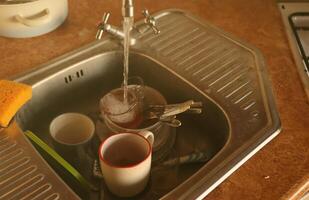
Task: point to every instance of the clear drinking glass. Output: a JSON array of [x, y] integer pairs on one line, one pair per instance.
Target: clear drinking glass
[[124, 111], [131, 118]]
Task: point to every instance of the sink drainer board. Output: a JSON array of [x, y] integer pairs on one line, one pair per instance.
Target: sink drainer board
[[190, 59]]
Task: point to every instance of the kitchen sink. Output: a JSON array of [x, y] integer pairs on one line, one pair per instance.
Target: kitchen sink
[[103, 72], [190, 59]]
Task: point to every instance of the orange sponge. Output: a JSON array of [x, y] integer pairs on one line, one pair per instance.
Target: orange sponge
[[12, 96]]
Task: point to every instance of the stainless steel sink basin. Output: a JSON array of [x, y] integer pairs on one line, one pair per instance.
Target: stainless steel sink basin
[[188, 60], [207, 132]]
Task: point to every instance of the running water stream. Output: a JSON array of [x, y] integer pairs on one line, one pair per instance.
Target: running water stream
[[118, 103], [127, 26]]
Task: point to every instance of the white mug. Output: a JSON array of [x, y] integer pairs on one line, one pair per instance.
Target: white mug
[[72, 133], [125, 161]]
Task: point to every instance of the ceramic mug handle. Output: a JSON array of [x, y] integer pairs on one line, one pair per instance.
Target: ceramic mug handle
[[148, 135]]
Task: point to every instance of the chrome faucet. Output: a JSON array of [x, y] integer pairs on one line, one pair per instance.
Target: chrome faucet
[[127, 8], [127, 11]]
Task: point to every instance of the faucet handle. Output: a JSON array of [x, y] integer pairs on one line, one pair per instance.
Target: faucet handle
[[101, 25], [105, 17], [150, 21]]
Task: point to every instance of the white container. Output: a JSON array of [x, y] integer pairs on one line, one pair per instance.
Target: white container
[[125, 161], [33, 18]]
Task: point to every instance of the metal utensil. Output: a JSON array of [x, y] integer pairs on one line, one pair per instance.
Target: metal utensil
[[198, 157], [171, 121], [167, 113], [174, 109]]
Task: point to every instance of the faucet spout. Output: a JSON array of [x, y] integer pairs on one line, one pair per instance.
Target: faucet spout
[[127, 8], [128, 23]]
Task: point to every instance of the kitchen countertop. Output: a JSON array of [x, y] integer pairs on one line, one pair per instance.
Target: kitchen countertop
[[281, 169]]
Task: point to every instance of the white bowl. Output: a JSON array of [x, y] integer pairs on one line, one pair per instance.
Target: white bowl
[[22, 20]]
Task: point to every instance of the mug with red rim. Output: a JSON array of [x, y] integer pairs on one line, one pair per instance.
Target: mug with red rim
[[125, 161]]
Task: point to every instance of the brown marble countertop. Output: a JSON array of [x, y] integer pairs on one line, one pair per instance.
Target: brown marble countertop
[[281, 169]]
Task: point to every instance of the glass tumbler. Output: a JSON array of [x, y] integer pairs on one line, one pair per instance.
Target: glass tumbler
[[164, 134], [124, 111]]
